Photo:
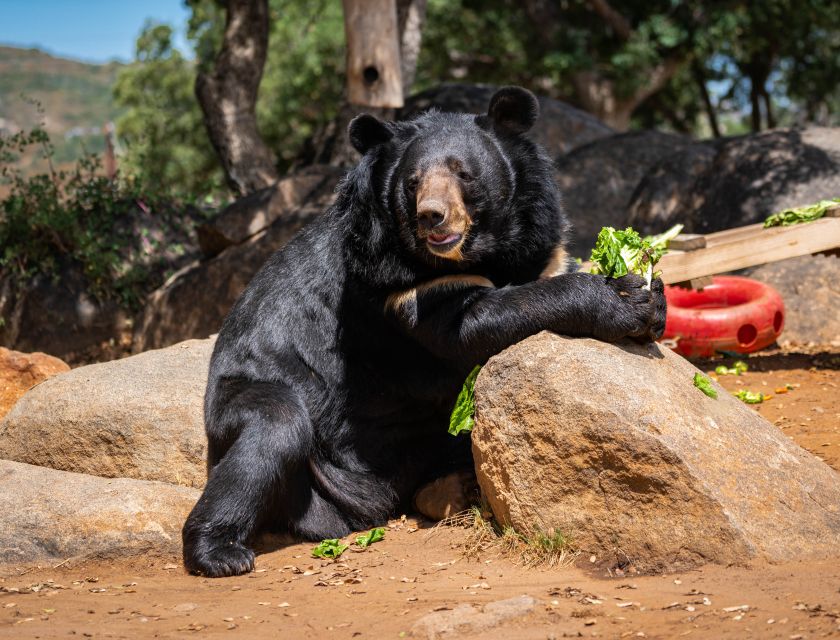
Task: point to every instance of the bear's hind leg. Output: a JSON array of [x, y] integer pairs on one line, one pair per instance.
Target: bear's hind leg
[[269, 435]]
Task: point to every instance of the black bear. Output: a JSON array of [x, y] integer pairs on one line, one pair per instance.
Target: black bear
[[333, 376]]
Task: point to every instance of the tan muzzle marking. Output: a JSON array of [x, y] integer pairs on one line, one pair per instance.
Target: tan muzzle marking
[[440, 191]]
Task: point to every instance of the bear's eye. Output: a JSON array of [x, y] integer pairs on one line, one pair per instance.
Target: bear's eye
[[411, 184], [465, 177]]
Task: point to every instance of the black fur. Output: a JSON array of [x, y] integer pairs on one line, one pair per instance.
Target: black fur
[[328, 398]]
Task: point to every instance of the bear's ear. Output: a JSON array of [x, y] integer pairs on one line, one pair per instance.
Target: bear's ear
[[513, 109], [366, 132]]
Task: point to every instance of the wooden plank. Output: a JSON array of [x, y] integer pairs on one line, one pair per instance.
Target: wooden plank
[[374, 77], [687, 242], [748, 248], [737, 233]]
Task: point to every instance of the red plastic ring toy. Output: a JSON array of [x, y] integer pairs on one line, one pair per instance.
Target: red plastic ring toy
[[732, 314]]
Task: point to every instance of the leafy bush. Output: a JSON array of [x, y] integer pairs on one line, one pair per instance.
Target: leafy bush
[[81, 218]]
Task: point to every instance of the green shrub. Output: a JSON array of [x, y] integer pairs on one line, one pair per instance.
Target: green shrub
[[84, 219]]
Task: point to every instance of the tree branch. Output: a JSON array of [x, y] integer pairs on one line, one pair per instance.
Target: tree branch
[[617, 22]]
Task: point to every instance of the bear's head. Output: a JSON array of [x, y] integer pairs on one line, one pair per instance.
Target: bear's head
[[463, 189]]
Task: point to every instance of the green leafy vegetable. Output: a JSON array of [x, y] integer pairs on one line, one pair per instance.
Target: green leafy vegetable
[[705, 385], [618, 253], [329, 548], [462, 418], [798, 215], [736, 370], [374, 535], [750, 397]]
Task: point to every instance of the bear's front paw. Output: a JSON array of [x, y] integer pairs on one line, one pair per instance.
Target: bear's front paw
[[216, 559], [631, 310]]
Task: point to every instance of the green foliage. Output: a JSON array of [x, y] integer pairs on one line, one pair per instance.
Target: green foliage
[[304, 73], [798, 215], [81, 217], [162, 130], [736, 370], [793, 46], [618, 253], [749, 397], [705, 385], [717, 45], [494, 41], [462, 419], [374, 535], [330, 548]]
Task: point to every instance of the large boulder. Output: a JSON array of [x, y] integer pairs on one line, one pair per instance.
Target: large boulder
[[614, 446], [597, 180], [560, 127], [61, 317], [19, 372], [62, 313], [194, 301], [810, 288], [48, 515], [741, 182], [247, 216], [140, 417]]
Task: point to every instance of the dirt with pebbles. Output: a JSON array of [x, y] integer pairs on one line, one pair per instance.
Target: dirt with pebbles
[[397, 587]]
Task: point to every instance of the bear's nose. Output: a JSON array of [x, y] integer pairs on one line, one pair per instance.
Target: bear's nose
[[430, 214]]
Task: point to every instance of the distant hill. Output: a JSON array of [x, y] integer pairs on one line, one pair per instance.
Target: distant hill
[[75, 98]]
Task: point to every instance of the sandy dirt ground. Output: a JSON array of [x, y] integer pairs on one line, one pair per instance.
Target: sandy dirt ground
[[416, 579]]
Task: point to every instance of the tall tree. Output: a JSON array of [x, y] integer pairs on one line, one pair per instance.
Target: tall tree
[[331, 144], [228, 97], [160, 127]]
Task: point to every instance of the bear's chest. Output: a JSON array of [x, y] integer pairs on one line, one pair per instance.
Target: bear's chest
[[392, 379]]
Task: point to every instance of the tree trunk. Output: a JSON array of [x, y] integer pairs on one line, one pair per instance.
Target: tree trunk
[[374, 75], [331, 145], [755, 106], [597, 94], [768, 107], [700, 79], [411, 16], [228, 96]]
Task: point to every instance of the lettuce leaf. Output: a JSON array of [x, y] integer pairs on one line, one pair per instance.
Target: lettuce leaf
[[329, 548], [798, 215], [750, 397], [462, 418], [618, 253], [374, 535], [705, 385]]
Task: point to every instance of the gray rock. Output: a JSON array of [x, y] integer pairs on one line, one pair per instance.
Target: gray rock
[[48, 515], [60, 317], [598, 180], [810, 288], [253, 213], [194, 302], [560, 128], [614, 446], [466, 618], [742, 182], [140, 417]]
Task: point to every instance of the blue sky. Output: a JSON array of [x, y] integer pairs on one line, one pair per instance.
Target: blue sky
[[89, 30]]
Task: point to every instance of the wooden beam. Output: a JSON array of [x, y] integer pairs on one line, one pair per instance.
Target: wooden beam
[[749, 246], [374, 77]]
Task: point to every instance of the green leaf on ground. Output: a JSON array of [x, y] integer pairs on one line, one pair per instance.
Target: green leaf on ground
[[374, 535], [736, 370], [750, 397], [329, 548]]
